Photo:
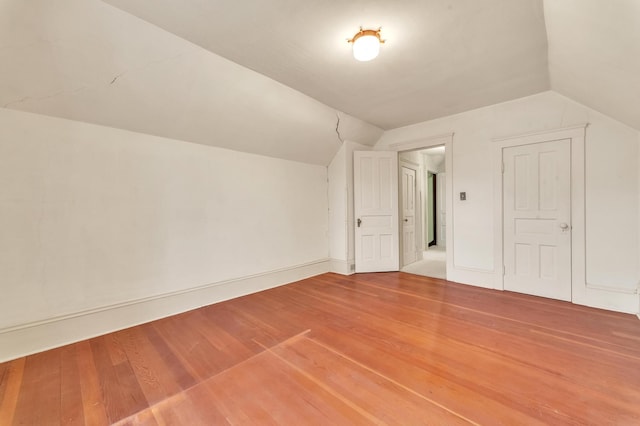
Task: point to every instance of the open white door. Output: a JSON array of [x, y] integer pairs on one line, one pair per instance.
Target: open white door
[[375, 179], [408, 223]]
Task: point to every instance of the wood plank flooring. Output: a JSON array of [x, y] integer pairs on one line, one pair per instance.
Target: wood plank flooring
[[390, 348]]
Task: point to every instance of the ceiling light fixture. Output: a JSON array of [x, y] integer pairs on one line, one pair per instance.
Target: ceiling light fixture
[[366, 44]]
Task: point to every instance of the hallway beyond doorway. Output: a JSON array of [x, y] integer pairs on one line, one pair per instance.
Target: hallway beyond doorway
[[433, 264]]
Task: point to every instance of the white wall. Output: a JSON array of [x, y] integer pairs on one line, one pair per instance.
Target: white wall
[[337, 171], [434, 163], [94, 217], [612, 204], [612, 190]]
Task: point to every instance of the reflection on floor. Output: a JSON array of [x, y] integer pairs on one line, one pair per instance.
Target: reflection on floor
[[433, 264]]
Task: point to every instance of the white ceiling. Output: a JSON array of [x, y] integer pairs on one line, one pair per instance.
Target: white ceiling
[[273, 77], [594, 54], [85, 60], [441, 57]]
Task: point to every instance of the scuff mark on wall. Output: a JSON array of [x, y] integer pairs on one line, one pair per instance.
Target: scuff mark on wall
[[40, 98], [338, 128]]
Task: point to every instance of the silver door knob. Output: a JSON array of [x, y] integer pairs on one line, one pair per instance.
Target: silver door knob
[[564, 226]]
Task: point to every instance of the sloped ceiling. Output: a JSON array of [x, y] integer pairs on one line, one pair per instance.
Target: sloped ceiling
[[276, 77], [87, 61], [441, 57], [594, 54]]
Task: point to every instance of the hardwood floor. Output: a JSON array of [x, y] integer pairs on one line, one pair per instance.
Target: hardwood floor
[[389, 348]]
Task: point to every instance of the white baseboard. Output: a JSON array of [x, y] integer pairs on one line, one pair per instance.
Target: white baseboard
[[470, 276], [342, 266], [611, 300], [26, 339]]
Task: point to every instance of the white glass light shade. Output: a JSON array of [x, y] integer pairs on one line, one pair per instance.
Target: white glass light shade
[[366, 47]]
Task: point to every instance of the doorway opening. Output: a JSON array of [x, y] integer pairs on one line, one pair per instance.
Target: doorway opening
[[377, 204], [422, 212]]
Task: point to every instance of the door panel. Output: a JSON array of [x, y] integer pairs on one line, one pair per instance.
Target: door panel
[[376, 211], [409, 216], [537, 212]]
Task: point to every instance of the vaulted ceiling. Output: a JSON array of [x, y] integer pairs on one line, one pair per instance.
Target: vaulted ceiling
[[440, 57], [594, 54], [276, 77]]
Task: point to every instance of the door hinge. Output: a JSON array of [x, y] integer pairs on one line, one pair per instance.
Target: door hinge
[[504, 270], [502, 166]]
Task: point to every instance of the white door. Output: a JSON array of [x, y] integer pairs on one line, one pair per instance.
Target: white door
[[408, 197], [537, 212], [441, 209], [375, 192]]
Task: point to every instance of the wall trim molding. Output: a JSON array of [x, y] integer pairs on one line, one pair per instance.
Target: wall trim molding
[[409, 162], [37, 336], [612, 289], [473, 269], [558, 132], [420, 143], [472, 277], [341, 266]]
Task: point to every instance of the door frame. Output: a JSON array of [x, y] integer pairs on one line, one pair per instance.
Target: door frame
[[576, 135], [438, 178], [433, 223], [429, 142]]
